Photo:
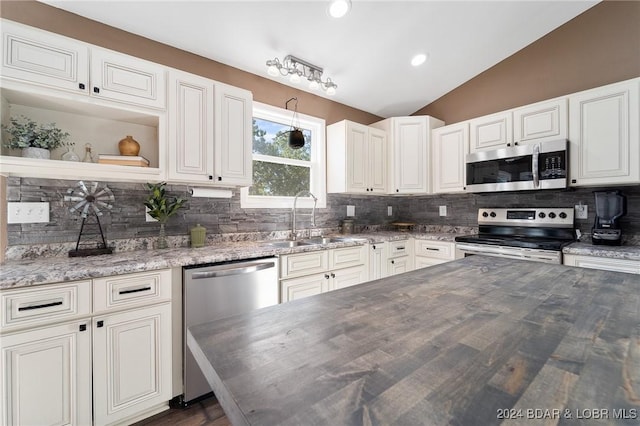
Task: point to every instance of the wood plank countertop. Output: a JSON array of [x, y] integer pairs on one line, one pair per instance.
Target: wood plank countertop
[[477, 341]]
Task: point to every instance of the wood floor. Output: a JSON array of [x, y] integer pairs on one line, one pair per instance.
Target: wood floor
[[204, 413]]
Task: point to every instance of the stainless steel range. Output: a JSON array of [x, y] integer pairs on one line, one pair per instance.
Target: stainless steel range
[[536, 234]]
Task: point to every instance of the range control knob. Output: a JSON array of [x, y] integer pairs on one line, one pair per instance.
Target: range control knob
[[541, 215], [492, 214], [485, 214], [552, 215], [562, 215]]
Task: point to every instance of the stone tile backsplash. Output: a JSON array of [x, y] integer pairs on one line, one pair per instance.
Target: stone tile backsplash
[[126, 220]]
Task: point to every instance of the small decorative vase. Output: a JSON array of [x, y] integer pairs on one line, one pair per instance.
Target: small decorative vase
[[162, 238], [70, 155], [33, 152], [198, 236], [129, 146]]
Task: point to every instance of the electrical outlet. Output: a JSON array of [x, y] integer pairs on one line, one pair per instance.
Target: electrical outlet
[[351, 210], [443, 210], [147, 217], [581, 211], [389, 211], [28, 212]]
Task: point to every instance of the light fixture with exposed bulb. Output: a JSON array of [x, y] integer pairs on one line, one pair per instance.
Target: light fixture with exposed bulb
[[339, 8], [418, 59], [297, 69]]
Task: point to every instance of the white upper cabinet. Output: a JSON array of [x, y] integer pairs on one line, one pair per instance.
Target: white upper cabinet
[[191, 137], [604, 135], [491, 131], [543, 121], [356, 158], [49, 60], [234, 135], [210, 133], [41, 58], [450, 146], [408, 153], [124, 78]]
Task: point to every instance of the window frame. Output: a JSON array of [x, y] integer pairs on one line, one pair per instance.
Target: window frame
[[318, 184]]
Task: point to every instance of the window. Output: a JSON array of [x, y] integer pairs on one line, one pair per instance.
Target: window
[[280, 172]]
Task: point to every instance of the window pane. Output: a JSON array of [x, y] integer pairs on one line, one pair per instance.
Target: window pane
[[282, 180], [271, 138]]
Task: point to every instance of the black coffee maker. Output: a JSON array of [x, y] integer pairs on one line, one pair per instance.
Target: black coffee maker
[[610, 207]]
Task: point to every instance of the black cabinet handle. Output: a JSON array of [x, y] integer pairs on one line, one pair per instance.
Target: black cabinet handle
[[43, 305], [81, 86], [96, 90], [574, 181], [210, 177], [219, 178], [100, 324], [135, 290], [333, 275], [83, 327]]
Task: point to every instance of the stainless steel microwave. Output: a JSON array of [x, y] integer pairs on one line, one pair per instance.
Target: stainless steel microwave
[[525, 167]]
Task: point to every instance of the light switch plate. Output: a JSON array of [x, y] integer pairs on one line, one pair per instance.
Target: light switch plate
[[443, 210], [389, 211], [351, 210], [28, 212]]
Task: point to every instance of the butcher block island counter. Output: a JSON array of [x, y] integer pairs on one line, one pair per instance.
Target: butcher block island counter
[[477, 341]]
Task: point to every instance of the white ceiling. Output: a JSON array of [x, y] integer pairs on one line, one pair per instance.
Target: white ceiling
[[366, 53]]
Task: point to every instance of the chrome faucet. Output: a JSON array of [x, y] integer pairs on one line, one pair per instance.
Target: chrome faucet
[[312, 214]]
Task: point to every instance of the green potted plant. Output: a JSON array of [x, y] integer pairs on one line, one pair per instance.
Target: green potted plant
[[35, 140], [161, 208]]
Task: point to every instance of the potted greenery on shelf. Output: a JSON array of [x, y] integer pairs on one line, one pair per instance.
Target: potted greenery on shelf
[[35, 140], [161, 208]]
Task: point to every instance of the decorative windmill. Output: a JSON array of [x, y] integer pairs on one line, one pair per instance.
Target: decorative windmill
[[89, 202]]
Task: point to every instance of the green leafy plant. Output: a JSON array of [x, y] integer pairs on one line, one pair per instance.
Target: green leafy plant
[[160, 206], [26, 133]]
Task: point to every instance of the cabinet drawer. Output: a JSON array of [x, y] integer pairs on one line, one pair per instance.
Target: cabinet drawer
[[45, 304], [398, 248], [295, 265], [132, 289], [435, 249], [603, 263], [348, 256], [297, 288]]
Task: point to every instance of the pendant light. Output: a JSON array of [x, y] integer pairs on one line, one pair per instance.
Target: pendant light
[[296, 137]]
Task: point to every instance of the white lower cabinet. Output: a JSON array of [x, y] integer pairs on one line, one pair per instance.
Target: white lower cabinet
[[308, 274], [66, 363], [429, 253], [46, 376], [399, 265], [399, 257], [604, 263], [377, 261]]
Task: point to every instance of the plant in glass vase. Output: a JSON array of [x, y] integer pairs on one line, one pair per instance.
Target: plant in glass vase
[[35, 140], [161, 208]]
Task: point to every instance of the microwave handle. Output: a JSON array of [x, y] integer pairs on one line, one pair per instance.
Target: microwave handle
[[534, 166]]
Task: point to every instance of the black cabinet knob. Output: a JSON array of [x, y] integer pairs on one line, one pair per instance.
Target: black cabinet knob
[[83, 327], [333, 275], [515, 143], [508, 144], [81, 86], [397, 190], [367, 189], [96, 90], [574, 181], [374, 247], [326, 276], [100, 324], [210, 177], [393, 262], [219, 178]]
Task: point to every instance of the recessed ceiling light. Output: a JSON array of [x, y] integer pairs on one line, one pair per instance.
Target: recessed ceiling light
[[418, 59], [339, 8]]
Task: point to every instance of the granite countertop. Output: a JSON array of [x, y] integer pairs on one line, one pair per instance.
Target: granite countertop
[[628, 252], [480, 340], [44, 270]]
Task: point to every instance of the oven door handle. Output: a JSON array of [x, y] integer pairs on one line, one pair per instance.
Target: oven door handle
[[535, 166]]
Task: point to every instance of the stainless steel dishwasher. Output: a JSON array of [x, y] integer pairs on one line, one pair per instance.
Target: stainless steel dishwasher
[[220, 290]]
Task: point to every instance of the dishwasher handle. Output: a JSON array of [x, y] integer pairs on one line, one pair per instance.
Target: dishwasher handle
[[233, 269]]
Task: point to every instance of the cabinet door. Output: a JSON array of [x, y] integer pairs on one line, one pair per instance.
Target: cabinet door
[[450, 146], [603, 135], [309, 285], [377, 261], [191, 137], [398, 265], [46, 376], [44, 58], [132, 362], [123, 78], [491, 131], [347, 277], [358, 165], [377, 150], [544, 121], [234, 136], [409, 155], [425, 262]]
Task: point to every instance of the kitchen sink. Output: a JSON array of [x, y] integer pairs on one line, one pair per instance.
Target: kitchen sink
[[285, 244], [328, 240]]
